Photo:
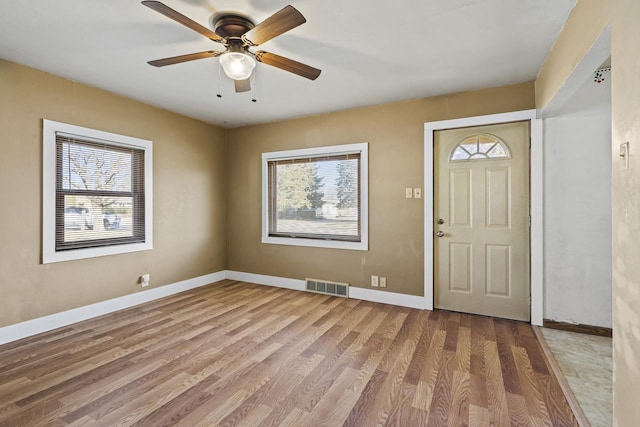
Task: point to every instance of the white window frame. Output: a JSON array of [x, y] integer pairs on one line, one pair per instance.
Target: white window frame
[[49, 130], [363, 149]]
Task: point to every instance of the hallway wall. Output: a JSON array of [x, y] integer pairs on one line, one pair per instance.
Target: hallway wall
[[577, 190]]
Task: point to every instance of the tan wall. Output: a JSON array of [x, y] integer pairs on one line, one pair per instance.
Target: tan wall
[[625, 55], [583, 27], [395, 133], [189, 196]]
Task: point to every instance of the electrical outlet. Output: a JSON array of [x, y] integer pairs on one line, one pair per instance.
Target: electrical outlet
[[417, 193], [374, 281], [145, 279], [408, 193], [383, 282]]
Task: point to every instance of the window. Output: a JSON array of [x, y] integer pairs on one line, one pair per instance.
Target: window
[[316, 197], [97, 193], [480, 147]]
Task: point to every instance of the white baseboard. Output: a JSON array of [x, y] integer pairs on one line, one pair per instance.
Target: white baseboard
[[384, 297], [47, 323], [261, 279], [365, 294]]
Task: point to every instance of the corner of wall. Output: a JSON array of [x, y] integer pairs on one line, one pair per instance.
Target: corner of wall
[[226, 197]]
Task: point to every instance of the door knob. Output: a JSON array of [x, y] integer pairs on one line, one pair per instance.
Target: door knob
[[440, 234]]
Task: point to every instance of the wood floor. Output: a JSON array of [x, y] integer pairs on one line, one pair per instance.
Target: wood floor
[[233, 353]]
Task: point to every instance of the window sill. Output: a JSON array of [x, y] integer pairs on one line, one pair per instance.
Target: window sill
[[70, 255], [314, 243]]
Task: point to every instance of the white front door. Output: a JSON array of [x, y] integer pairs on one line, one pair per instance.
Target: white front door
[[481, 213]]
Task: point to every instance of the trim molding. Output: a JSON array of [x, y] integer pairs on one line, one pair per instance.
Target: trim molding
[[365, 294], [47, 323], [580, 328], [261, 279], [39, 325], [385, 297]]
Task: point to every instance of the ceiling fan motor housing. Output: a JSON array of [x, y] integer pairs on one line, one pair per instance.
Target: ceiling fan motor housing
[[231, 25]]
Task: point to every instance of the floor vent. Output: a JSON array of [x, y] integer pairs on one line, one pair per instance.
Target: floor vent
[[328, 288]]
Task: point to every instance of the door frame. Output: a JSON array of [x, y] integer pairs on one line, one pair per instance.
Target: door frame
[[536, 201]]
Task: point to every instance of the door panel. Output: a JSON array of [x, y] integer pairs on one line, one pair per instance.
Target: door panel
[[460, 187], [498, 201], [498, 270], [460, 259], [481, 192]]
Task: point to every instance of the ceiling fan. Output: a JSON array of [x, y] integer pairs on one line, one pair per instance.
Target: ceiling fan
[[238, 34]]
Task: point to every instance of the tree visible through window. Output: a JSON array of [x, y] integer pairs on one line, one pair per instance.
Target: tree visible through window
[[347, 185], [299, 187]]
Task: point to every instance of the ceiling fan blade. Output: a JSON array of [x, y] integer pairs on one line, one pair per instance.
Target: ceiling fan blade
[[242, 85], [278, 23], [184, 58], [178, 17], [287, 64]]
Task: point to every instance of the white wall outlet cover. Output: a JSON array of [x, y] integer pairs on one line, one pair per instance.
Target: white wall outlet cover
[[144, 279], [374, 281], [383, 282]]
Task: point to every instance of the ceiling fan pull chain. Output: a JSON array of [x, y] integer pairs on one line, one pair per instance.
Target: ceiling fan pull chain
[[254, 86], [219, 95]]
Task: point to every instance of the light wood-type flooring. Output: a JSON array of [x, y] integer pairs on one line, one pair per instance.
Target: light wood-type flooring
[[233, 353]]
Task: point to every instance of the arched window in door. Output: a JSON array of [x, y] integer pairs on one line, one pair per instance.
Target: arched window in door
[[482, 146]]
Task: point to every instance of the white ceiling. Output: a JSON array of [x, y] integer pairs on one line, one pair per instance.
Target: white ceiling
[[370, 51]]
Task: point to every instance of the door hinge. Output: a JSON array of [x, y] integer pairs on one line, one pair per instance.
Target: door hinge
[[529, 220]]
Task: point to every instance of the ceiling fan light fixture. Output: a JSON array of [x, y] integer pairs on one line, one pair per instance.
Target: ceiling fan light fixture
[[237, 65]]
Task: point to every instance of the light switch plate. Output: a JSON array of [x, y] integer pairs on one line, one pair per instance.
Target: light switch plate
[[408, 193], [417, 193], [624, 153]]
